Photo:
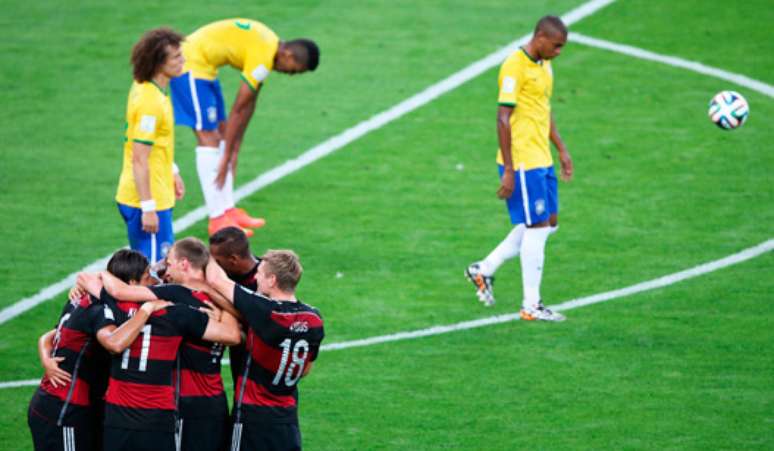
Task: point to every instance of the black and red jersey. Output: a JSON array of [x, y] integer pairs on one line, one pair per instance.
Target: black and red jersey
[[282, 339], [238, 352], [142, 390], [70, 404], [201, 384]]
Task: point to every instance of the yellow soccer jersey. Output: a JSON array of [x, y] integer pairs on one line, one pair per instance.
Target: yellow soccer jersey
[[149, 120], [246, 45], [526, 85]]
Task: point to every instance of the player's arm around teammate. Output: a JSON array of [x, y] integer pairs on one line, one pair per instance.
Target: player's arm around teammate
[[50, 363], [224, 330], [116, 339]]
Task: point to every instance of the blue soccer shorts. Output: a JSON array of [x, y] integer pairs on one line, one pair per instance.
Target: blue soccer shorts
[[535, 195], [153, 245], [197, 103]]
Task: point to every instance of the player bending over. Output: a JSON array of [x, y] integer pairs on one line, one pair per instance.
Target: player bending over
[[255, 51]]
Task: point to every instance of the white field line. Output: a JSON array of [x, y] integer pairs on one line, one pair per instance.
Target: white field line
[[741, 80], [321, 150], [671, 279]]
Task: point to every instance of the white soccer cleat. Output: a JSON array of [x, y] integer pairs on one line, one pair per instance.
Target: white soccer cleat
[[540, 313], [484, 284]]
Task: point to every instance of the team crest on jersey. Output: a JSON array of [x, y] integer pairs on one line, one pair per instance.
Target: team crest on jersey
[[212, 114], [260, 73], [299, 327], [540, 206]]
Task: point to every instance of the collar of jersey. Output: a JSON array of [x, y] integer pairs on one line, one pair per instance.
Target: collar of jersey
[[538, 61]]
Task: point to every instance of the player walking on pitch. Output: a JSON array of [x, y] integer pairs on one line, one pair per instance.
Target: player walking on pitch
[[253, 49], [528, 182], [149, 182]]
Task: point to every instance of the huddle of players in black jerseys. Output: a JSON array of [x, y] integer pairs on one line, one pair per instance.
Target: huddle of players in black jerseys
[[134, 364]]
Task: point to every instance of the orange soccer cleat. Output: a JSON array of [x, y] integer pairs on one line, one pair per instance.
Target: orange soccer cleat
[[223, 221], [244, 220]]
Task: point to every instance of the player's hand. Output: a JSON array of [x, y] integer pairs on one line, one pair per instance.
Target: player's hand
[[220, 178], [56, 375], [76, 293], [155, 306], [179, 187], [506, 185], [90, 283], [566, 161], [150, 222], [213, 312]]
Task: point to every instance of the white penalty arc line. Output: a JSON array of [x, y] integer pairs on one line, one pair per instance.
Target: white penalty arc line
[[661, 282], [741, 80], [319, 151]]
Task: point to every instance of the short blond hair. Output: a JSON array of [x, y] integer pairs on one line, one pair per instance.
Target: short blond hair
[[285, 266], [193, 250]]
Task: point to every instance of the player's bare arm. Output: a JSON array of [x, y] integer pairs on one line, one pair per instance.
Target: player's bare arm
[[217, 298], [179, 185], [504, 138], [55, 375], [88, 283], [226, 331], [140, 154], [241, 112], [116, 339], [218, 279], [564, 156], [125, 292]]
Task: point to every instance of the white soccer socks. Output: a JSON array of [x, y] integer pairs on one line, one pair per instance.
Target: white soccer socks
[[207, 159], [533, 247], [506, 250], [228, 188]]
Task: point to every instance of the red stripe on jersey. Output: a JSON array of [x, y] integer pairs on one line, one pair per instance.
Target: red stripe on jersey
[[140, 396], [193, 383], [258, 395], [129, 307], [296, 321], [200, 295], [160, 347], [266, 356], [71, 339], [80, 393]]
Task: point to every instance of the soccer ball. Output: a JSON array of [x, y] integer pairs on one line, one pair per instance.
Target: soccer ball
[[728, 110]]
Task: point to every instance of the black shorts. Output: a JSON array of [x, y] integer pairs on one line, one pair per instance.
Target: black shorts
[[266, 436], [117, 439], [204, 434], [47, 436]]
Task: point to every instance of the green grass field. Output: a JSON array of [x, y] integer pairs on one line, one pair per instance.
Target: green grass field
[[399, 213]]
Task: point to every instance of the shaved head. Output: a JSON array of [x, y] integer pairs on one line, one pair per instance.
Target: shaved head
[[551, 26]]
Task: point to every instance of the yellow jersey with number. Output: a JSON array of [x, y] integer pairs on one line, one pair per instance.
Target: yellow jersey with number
[[246, 45], [526, 85], [149, 120]]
